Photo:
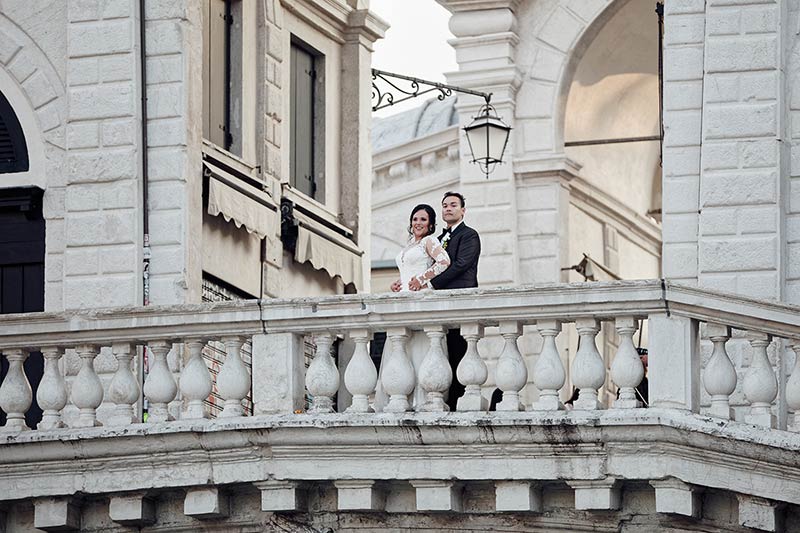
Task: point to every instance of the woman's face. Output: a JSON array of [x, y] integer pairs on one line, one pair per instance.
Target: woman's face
[[419, 224]]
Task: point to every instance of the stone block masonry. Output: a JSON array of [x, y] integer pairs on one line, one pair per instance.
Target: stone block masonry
[[174, 109], [742, 159], [724, 155], [683, 66], [103, 232]]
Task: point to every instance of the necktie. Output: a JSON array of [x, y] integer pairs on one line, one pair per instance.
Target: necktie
[[444, 233]]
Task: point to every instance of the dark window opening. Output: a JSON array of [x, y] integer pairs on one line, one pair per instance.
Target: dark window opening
[[22, 230], [13, 148]]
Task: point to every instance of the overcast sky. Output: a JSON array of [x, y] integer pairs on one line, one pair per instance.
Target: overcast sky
[[415, 44]]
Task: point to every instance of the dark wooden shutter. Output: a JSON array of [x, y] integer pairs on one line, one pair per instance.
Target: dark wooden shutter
[[302, 120], [13, 149]]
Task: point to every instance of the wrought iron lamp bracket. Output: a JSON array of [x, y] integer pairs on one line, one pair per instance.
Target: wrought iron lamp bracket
[[394, 84]]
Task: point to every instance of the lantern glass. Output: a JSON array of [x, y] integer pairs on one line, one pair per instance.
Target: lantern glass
[[487, 136]]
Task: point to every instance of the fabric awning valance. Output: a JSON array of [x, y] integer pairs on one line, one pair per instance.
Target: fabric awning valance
[[324, 254], [240, 209]]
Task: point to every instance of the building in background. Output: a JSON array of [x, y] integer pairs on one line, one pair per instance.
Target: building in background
[[582, 171]]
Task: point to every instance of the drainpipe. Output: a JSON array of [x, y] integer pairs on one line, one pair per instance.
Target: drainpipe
[[145, 215]]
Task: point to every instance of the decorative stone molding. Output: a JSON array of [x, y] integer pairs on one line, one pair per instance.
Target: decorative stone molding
[[359, 495], [516, 496], [673, 496], [206, 503], [56, 514], [760, 513], [132, 509], [597, 495], [436, 495], [278, 496]]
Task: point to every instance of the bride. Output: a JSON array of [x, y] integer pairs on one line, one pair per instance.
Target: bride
[[423, 258]]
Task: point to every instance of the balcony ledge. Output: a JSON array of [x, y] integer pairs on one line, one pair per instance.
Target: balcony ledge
[[639, 444]]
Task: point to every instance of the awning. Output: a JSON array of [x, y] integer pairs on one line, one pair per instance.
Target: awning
[[333, 253], [240, 209]]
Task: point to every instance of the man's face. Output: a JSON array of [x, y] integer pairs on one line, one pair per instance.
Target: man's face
[[452, 211]]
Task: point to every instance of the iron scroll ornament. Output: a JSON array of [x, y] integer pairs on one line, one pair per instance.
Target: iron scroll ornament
[[385, 85]]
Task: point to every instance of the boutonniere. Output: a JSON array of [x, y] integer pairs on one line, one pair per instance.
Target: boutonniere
[[444, 244]]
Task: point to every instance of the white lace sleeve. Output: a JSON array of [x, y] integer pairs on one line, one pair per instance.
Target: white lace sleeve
[[440, 259]]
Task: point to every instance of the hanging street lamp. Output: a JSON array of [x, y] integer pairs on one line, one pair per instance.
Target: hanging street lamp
[[487, 134]]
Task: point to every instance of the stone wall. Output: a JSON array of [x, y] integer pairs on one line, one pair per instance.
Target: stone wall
[[174, 134], [726, 157], [103, 231]]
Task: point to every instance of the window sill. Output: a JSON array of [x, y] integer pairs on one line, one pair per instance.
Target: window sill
[[315, 207]]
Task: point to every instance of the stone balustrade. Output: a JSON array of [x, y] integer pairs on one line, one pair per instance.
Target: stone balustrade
[[312, 432], [277, 329]]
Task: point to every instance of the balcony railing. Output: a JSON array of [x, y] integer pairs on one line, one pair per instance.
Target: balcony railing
[[280, 381]]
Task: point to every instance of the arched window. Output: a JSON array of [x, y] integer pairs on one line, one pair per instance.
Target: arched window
[[13, 149]]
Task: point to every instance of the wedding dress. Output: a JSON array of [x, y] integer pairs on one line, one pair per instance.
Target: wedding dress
[[424, 259]]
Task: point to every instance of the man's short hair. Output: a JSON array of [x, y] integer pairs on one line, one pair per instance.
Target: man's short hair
[[457, 195]]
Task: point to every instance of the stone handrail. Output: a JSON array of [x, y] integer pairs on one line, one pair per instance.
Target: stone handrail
[[276, 329]]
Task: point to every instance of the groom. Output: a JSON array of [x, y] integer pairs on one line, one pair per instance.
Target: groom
[[463, 245]]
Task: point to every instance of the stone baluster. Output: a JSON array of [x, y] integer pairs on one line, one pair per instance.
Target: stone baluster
[[548, 373], [760, 385], [627, 369], [793, 388], [159, 387], [511, 371], [195, 380], [233, 381], [322, 376], [435, 374], [588, 368], [123, 390], [52, 392], [398, 377], [87, 389], [472, 371], [719, 377], [15, 392], [360, 376]]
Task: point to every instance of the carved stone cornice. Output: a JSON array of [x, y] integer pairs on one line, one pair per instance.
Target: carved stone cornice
[[538, 446]]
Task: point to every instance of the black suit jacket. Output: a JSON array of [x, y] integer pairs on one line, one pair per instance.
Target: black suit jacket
[[464, 248]]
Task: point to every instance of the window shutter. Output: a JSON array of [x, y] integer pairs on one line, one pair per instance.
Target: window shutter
[[13, 149], [214, 30], [302, 125]]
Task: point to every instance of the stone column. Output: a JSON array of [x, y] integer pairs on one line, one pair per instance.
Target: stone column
[[486, 40], [355, 151]]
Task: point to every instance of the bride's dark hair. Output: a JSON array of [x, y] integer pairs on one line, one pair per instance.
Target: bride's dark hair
[[431, 218]]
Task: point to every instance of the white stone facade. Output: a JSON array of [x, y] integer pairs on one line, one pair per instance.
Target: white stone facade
[[73, 74], [717, 450]]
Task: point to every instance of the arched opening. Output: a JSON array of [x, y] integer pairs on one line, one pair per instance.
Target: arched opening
[[22, 244], [13, 148], [611, 129]]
